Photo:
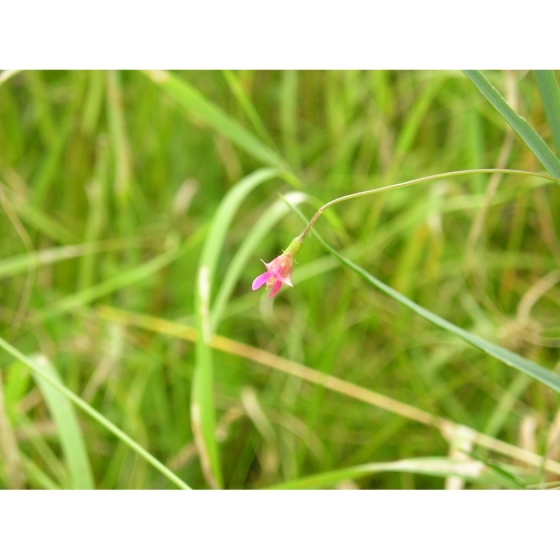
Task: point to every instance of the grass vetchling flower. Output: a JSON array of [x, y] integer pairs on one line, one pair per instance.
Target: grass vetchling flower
[[278, 271]]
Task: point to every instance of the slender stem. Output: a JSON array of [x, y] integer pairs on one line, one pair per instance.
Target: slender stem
[[302, 235]]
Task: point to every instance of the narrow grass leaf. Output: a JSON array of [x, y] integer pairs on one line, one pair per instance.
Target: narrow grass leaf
[[535, 143], [248, 107], [504, 406], [330, 382], [502, 471], [50, 462], [37, 477], [97, 213], [67, 426], [137, 274], [9, 446], [202, 401], [18, 264], [431, 466], [415, 116], [191, 99], [51, 228], [45, 174], [548, 89], [289, 116], [46, 376], [545, 376], [119, 141]]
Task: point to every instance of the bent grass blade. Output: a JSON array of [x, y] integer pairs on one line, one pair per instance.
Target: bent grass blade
[[47, 377], [444, 467], [544, 375], [67, 426], [202, 400], [330, 382], [191, 99]]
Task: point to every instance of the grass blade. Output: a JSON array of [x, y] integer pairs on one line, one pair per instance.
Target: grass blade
[[202, 401], [535, 143], [431, 466], [288, 116], [545, 376], [191, 99], [18, 264], [137, 274], [248, 107], [37, 477], [39, 220], [8, 446], [120, 146], [47, 377], [330, 382], [66, 422], [548, 89]]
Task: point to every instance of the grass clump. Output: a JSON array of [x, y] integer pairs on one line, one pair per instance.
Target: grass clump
[[135, 208]]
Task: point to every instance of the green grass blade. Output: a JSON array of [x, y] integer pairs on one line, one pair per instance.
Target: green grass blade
[[44, 177], [431, 466], [47, 377], [248, 107], [41, 449], [202, 401], [504, 406], [191, 99], [261, 228], [120, 146], [9, 448], [38, 477], [535, 143], [545, 376], [43, 223], [288, 116], [548, 89], [93, 101], [67, 426], [137, 274], [18, 264], [97, 214], [416, 115]]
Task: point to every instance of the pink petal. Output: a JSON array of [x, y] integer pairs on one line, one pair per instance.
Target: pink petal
[[275, 289], [260, 280]]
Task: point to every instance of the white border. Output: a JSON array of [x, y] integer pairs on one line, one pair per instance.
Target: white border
[[289, 34]]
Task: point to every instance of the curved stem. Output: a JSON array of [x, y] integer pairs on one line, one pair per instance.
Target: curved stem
[[302, 235]]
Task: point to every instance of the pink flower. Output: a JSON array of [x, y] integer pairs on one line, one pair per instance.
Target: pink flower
[[278, 272]]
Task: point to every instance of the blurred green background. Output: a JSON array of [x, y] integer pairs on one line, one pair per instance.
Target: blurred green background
[[109, 183]]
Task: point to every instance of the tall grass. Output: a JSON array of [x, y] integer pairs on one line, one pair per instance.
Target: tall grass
[[135, 209]]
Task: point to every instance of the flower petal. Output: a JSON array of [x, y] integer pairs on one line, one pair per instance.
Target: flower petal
[[288, 281], [275, 289], [260, 280]]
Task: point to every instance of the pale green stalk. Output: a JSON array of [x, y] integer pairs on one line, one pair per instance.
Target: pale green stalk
[[302, 235]]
